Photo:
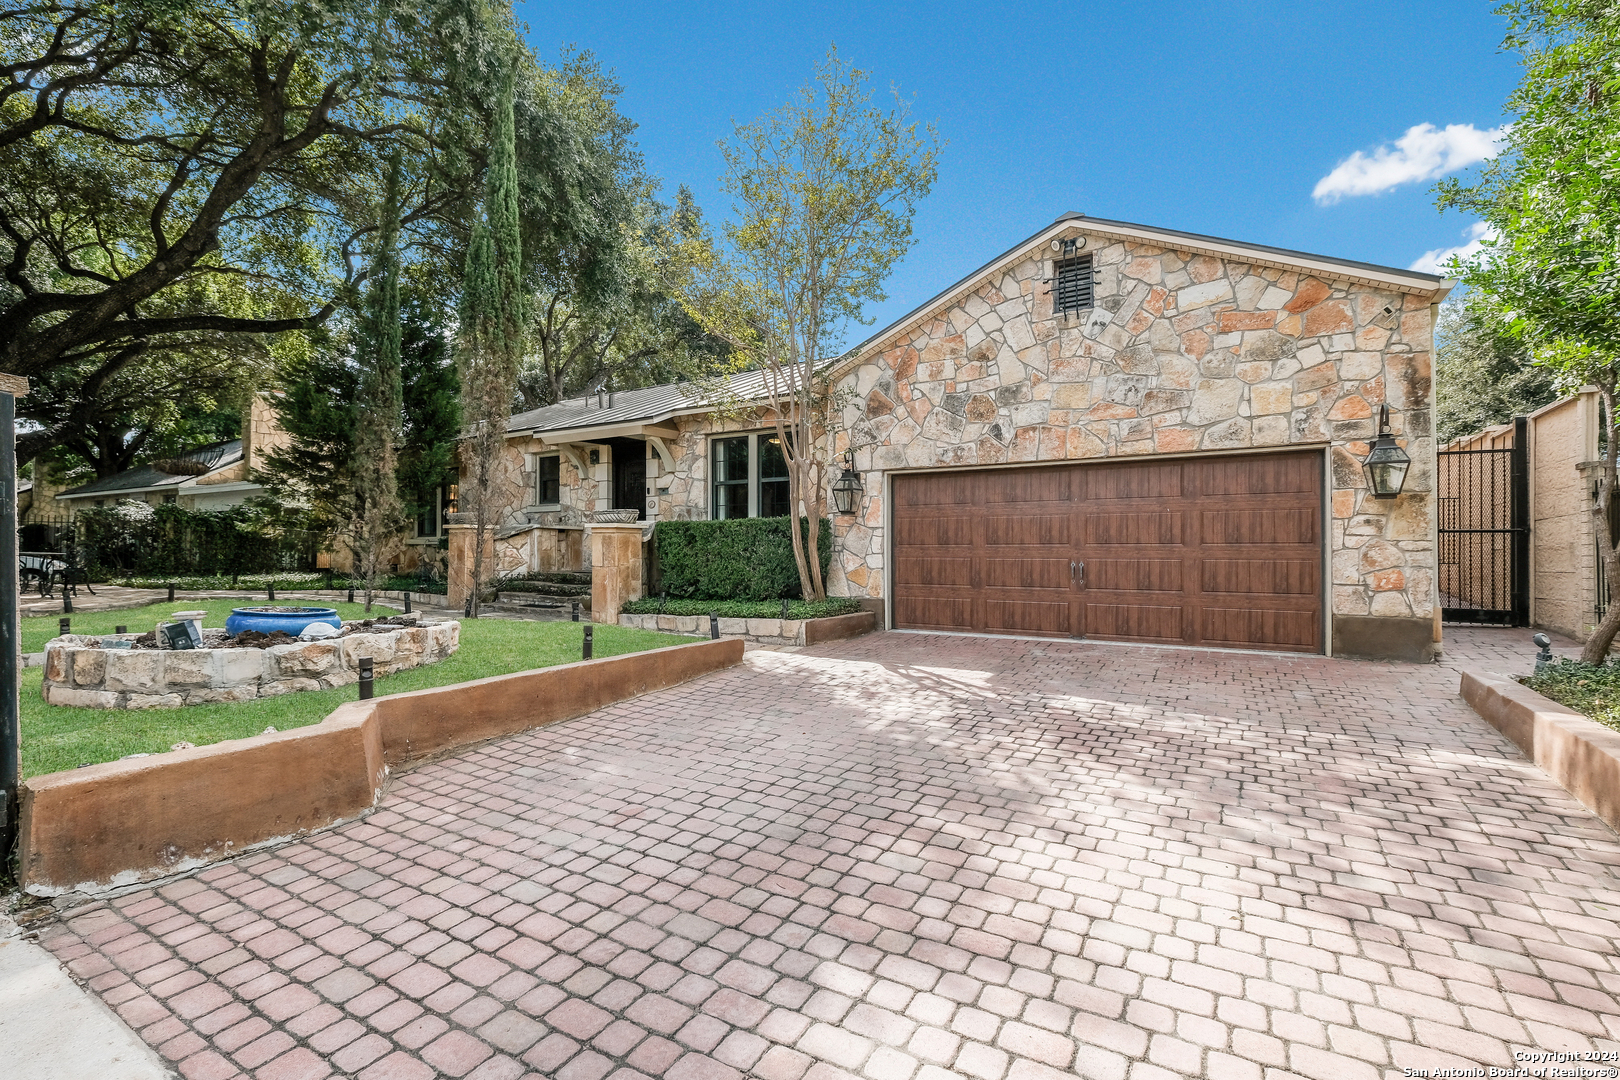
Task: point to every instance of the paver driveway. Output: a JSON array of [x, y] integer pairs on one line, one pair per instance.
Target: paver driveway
[[917, 857]]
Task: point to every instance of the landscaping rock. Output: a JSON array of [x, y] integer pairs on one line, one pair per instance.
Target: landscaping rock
[[78, 672]]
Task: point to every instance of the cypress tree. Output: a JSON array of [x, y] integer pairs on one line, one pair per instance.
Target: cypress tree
[[492, 321], [379, 515]]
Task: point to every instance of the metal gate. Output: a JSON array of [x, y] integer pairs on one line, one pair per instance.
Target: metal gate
[[1484, 532]]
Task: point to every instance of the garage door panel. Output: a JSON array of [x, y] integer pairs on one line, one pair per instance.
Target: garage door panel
[[1037, 487], [934, 612], [1260, 627], [1139, 622], [933, 529], [1261, 576], [1144, 528], [1145, 480], [941, 570], [1219, 551], [1024, 530], [1281, 526], [1026, 573], [1027, 617], [1134, 575], [1268, 474]]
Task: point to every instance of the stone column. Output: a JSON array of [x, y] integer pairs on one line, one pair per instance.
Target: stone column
[[615, 569], [462, 539]]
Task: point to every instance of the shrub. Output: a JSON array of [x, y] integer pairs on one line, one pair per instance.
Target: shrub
[[745, 609], [1594, 691], [741, 559], [290, 579]]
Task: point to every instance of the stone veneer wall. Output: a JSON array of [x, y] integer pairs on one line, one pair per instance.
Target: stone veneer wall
[[77, 674], [1182, 353]]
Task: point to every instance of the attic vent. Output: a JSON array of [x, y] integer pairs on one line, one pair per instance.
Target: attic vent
[[1072, 286]]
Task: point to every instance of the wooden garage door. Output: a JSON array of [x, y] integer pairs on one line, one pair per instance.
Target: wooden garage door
[[1223, 551]]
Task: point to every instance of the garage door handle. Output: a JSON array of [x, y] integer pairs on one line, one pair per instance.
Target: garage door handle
[[1077, 572]]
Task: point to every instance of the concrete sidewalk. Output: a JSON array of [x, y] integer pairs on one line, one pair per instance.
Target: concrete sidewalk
[[53, 1029]]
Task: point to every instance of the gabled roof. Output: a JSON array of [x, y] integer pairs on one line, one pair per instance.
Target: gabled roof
[[1323, 266], [655, 404], [151, 478]]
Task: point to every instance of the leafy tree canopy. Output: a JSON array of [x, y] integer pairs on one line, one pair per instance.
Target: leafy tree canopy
[[171, 173], [1483, 374]]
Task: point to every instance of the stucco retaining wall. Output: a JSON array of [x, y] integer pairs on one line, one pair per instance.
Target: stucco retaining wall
[[1582, 755], [96, 829], [763, 631], [77, 673]]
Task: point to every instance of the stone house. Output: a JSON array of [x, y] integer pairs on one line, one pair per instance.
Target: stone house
[[1109, 431]]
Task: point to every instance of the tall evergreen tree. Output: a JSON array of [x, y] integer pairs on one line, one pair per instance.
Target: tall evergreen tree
[[379, 516], [492, 331]]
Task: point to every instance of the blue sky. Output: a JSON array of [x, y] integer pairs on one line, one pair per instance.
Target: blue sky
[[1206, 117]]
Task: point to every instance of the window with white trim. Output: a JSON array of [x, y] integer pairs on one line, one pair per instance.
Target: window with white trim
[[749, 477]]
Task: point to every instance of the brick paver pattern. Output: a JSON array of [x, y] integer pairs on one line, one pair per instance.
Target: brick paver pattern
[[912, 857]]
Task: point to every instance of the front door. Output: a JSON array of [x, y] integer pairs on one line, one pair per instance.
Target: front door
[[630, 478]]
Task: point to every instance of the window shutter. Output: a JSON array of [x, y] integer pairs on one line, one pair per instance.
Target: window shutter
[[1072, 286]]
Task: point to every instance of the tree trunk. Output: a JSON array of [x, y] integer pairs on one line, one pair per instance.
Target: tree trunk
[[1597, 646]]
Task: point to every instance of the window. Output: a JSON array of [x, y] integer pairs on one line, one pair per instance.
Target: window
[[547, 481], [773, 478], [731, 478], [435, 511], [1072, 285], [750, 477]]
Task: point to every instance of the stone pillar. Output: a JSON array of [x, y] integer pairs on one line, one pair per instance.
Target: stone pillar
[[615, 569], [460, 573]]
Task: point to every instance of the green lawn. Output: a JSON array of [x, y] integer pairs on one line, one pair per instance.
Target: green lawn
[[54, 737]]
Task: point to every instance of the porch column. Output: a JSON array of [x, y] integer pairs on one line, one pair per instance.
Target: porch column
[[615, 569], [460, 574]]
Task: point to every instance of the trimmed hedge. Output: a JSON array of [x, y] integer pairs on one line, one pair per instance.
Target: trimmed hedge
[[740, 559], [745, 609]]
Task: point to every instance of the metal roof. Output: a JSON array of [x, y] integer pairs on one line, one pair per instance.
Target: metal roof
[[648, 405], [147, 477]]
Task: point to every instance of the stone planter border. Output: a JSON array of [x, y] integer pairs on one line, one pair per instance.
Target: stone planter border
[[96, 678], [1582, 755], [102, 828], [764, 631]]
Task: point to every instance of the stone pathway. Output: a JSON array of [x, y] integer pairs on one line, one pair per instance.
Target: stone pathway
[[911, 857]]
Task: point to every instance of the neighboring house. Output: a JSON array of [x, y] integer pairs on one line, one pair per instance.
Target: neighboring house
[[212, 477], [1110, 431]]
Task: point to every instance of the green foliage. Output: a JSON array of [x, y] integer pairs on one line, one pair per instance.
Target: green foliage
[[281, 579], [490, 351], [133, 538], [825, 191], [740, 559], [59, 737], [1553, 199], [746, 609], [319, 411], [378, 516], [1593, 689], [1483, 374]]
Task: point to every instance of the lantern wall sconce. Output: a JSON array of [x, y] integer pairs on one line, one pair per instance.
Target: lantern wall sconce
[[1387, 463], [848, 489]]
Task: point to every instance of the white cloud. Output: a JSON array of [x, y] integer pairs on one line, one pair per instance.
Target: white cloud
[[1434, 262], [1423, 153]]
